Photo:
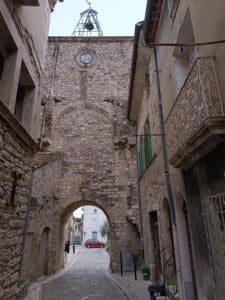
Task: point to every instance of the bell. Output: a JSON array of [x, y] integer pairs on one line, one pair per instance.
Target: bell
[[89, 26]]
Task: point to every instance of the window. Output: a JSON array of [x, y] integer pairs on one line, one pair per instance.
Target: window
[[94, 235], [19, 102], [147, 145], [24, 97], [141, 157], [145, 150], [184, 56]]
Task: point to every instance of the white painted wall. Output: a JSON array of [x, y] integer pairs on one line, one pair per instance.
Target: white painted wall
[[92, 220]]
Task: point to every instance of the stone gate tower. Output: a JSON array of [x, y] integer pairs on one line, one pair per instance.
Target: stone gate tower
[[90, 154]]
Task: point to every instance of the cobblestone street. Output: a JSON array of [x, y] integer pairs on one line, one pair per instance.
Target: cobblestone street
[[87, 276], [85, 279]]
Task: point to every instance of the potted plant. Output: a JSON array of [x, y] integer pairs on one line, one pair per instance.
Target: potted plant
[[145, 272]]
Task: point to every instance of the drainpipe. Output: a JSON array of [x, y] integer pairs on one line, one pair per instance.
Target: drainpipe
[[167, 175], [139, 198], [26, 220]]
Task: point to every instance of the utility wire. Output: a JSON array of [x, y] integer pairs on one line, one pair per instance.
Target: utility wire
[[184, 44]]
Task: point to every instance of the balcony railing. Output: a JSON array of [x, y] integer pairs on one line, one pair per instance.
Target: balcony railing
[[196, 120]]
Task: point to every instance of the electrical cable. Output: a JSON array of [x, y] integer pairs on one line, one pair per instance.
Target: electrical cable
[[198, 44]]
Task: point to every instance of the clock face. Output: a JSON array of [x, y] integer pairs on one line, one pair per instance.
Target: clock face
[[86, 58]]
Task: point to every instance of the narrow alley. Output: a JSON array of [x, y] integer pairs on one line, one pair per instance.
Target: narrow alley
[[87, 276], [112, 134]]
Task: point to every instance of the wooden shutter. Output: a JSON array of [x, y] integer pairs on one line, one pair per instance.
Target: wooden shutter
[[147, 147]]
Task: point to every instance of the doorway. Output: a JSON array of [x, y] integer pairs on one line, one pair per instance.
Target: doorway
[[156, 253], [43, 254], [185, 246]]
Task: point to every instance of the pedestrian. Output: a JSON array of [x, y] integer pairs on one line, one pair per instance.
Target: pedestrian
[[73, 248], [67, 247], [66, 250]]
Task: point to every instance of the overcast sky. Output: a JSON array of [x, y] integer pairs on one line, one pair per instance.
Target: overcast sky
[[78, 212], [117, 17]]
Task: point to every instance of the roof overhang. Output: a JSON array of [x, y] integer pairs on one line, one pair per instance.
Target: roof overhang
[[26, 2], [145, 34]]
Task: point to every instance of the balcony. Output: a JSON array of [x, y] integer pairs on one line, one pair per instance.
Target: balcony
[[196, 123]]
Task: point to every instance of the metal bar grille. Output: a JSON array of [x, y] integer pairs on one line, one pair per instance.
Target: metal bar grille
[[214, 210]]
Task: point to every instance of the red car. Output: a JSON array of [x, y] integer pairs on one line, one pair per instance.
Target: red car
[[94, 244]]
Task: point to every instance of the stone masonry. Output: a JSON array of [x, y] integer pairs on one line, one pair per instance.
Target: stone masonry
[[15, 174], [89, 148], [23, 41]]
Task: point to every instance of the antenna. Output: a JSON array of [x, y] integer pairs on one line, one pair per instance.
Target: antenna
[[88, 25], [88, 2]]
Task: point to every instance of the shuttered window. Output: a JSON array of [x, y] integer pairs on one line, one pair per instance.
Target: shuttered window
[[141, 160], [147, 146], [145, 152]]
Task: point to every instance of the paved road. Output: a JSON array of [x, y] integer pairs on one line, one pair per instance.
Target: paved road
[[85, 279]]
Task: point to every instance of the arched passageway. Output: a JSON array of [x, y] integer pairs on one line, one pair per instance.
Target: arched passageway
[[91, 157], [63, 227]]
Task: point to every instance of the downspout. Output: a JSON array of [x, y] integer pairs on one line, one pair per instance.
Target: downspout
[[26, 220]]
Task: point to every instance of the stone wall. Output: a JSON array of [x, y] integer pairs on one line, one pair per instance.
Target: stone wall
[[22, 50], [15, 174], [45, 189]]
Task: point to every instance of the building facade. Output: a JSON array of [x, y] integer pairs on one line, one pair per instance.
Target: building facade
[[23, 42], [185, 79], [93, 219], [75, 230]]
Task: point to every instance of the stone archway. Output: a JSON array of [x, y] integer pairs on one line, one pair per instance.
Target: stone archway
[[62, 227], [90, 157]]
